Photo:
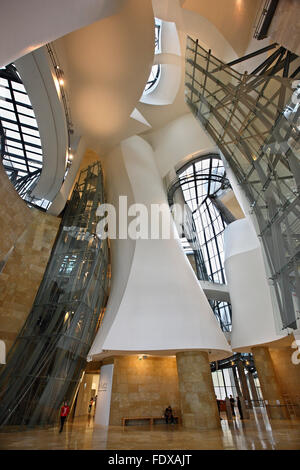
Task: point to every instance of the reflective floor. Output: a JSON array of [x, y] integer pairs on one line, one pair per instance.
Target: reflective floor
[[257, 433]]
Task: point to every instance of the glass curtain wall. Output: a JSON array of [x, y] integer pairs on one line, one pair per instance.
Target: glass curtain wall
[[201, 182], [46, 362]]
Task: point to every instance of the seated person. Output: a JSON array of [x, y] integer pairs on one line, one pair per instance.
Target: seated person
[[169, 415]]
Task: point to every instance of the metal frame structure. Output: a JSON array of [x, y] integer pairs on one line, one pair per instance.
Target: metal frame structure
[[254, 119], [46, 362], [265, 19]]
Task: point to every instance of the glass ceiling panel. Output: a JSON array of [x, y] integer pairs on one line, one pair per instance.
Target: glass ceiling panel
[[22, 151]]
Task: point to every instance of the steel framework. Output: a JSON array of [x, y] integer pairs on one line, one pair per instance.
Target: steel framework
[[254, 120], [47, 360]]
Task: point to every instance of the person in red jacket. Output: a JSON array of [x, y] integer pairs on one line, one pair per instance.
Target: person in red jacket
[[65, 410]]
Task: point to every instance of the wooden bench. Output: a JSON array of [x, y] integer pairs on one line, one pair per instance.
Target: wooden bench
[[151, 419]]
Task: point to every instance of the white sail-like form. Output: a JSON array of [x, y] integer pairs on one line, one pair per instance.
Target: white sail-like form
[[253, 312], [156, 303]]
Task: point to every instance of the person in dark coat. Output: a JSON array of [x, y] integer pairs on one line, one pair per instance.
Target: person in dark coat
[[169, 415], [219, 409], [232, 401], [238, 401]]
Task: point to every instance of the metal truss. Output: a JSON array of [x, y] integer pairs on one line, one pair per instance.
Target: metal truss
[[254, 120], [46, 362]]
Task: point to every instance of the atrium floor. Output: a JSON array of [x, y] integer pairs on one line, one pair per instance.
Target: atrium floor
[[257, 433]]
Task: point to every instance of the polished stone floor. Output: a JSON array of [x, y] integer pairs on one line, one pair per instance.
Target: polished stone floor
[[257, 433]]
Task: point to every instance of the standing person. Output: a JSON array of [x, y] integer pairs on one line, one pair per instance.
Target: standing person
[[91, 404], [239, 407], [65, 410], [232, 401], [219, 409], [169, 415]]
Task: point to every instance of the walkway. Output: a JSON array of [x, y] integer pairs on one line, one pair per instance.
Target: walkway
[[82, 434]]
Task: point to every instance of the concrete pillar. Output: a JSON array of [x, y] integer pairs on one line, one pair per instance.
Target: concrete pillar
[[197, 396], [253, 389], [244, 384], [269, 386]]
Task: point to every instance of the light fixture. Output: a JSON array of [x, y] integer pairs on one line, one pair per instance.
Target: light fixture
[[61, 81], [143, 356]]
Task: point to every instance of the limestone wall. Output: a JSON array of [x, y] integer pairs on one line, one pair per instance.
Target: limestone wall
[[25, 264], [14, 215], [143, 387], [287, 374]]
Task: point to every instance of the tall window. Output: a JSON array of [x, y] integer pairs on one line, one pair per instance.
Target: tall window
[[200, 182], [21, 148], [155, 71]]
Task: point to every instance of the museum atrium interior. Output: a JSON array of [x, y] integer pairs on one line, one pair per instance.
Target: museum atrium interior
[[150, 224]]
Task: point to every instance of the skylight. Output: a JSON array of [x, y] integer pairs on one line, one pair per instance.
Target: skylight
[[21, 148], [156, 69]]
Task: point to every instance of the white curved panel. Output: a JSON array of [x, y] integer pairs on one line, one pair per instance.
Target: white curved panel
[[253, 319], [166, 90], [174, 143], [28, 25], [163, 307], [39, 83]]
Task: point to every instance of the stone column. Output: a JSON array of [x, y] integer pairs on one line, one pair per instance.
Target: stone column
[[253, 389], [198, 404], [269, 386], [244, 384]]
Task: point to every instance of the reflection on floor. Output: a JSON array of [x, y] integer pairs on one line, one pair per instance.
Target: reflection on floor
[[258, 433]]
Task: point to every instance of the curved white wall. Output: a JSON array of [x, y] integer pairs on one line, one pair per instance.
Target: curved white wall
[[28, 25], [253, 319], [35, 71], [177, 141], [162, 309]]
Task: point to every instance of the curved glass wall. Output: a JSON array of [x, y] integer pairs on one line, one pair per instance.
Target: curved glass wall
[[46, 362], [200, 182], [21, 148], [156, 69]]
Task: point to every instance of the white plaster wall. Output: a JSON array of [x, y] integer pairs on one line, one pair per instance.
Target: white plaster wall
[[195, 25], [39, 83], [163, 307], [60, 200], [177, 141], [253, 319], [104, 395], [28, 25]]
